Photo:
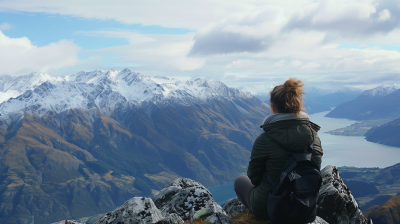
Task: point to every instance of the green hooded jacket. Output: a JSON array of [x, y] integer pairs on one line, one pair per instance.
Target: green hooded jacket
[[294, 135]]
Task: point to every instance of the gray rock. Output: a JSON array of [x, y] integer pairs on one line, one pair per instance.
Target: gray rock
[[218, 218], [187, 198], [233, 207], [171, 219], [135, 210], [318, 220], [336, 204]]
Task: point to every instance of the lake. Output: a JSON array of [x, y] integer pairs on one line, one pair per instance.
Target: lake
[[338, 151]]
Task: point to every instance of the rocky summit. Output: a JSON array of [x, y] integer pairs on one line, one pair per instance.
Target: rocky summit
[[186, 200], [336, 204]]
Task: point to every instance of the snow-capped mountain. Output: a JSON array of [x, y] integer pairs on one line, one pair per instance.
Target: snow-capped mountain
[[107, 90], [13, 86], [382, 90]]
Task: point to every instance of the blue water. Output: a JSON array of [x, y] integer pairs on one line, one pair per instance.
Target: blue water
[[338, 151]]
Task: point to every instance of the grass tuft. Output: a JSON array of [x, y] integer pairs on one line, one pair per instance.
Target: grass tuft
[[248, 218]]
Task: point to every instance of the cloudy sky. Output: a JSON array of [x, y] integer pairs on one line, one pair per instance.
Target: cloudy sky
[[353, 43]]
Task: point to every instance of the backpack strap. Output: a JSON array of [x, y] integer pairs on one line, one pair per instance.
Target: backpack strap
[[291, 163]]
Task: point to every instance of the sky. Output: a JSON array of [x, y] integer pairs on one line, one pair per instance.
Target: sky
[[241, 43]]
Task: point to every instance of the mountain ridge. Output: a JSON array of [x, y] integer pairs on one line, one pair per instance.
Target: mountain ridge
[[380, 102]]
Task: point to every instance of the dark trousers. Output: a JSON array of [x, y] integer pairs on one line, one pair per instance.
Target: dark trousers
[[243, 188]]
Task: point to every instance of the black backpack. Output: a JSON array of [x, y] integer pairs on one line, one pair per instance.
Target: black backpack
[[294, 196]]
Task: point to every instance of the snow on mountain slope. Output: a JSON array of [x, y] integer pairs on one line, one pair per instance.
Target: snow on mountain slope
[[13, 86], [105, 91], [382, 90]]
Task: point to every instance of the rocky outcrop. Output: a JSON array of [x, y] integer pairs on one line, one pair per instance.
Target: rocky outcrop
[[135, 210], [336, 204], [188, 199]]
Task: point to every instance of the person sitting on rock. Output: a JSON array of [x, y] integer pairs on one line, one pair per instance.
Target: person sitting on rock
[[287, 126]]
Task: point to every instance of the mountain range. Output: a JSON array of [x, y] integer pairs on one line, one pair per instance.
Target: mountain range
[[317, 99], [82, 144], [377, 103]]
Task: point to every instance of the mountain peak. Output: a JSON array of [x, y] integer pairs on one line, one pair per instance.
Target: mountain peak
[[382, 90]]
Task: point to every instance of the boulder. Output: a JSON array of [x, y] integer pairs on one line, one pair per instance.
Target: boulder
[[135, 210], [336, 204], [188, 199], [233, 207]]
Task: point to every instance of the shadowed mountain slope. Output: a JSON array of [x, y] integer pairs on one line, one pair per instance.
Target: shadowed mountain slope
[[388, 213], [370, 105], [388, 134]]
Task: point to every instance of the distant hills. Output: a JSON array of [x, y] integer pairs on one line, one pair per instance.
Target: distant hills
[[83, 144], [388, 213], [378, 103], [388, 134], [317, 99]]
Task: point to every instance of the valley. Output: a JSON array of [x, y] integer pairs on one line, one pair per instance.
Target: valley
[[80, 145], [358, 129]]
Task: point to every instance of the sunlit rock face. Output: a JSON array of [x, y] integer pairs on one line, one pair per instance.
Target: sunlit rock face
[[336, 204]]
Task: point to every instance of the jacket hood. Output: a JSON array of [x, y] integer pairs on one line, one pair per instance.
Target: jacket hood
[[294, 135]]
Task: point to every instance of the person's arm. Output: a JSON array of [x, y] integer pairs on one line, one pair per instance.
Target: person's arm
[[318, 151], [256, 168]]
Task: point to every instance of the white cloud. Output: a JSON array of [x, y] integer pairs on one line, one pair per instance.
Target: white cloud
[[153, 51], [267, 40], [241, 64], [5, 26], [173, 13], [19, 56], [384, 15]]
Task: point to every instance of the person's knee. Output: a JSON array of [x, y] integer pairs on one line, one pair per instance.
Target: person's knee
[[239, 180]]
